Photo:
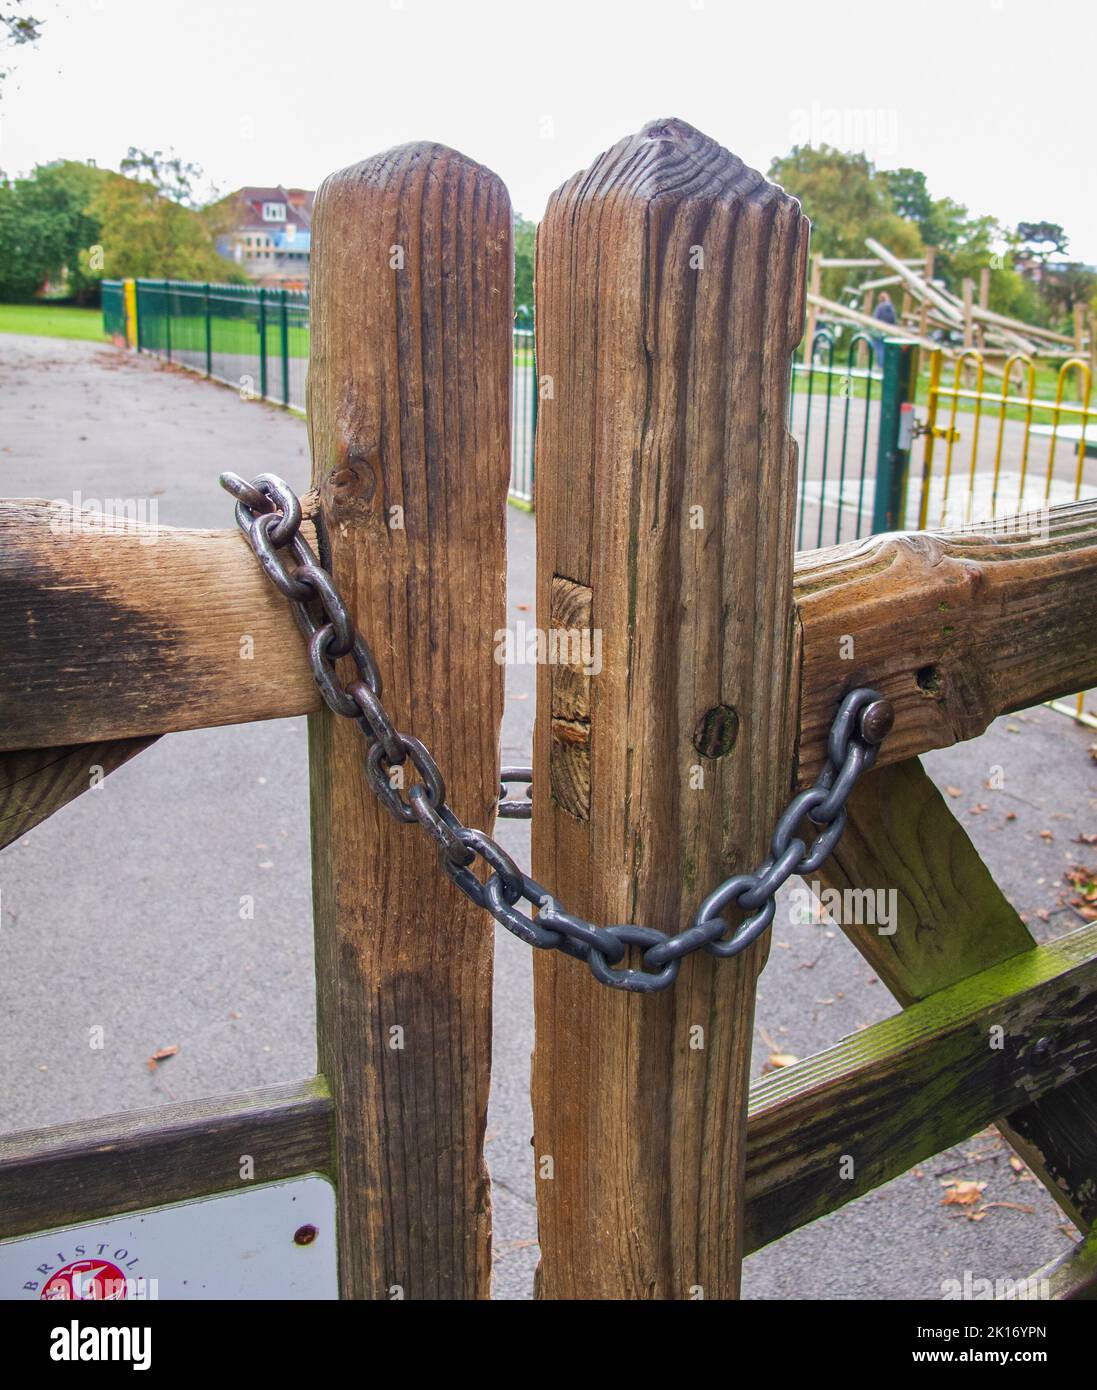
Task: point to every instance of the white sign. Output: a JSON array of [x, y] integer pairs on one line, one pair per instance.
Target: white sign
[[274, 1241]]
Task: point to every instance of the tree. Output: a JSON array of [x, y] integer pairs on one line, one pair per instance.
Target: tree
[[151, 225], [1066, 283], [847, 201], [1042, 239], [47, 233], [166, 173], [16, 30], [909, 195], [525, 238]]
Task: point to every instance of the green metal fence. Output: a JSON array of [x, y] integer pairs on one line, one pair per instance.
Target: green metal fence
[[834, 415], [257, 341], [843, 406], [113, 298], [523, 412]]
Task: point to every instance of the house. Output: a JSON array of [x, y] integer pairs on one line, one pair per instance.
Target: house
[[271, 237]]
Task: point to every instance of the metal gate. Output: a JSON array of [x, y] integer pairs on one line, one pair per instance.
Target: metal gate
[[1009, 449], [834, 408]]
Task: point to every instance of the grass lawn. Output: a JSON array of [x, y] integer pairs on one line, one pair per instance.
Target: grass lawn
[[241, 336], [52, 321], [856, 386]]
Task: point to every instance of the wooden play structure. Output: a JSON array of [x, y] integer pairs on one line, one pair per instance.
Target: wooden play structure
[[666, 503], [927, 306]]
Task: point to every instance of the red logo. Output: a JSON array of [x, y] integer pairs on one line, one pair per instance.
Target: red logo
[[86, 1281]]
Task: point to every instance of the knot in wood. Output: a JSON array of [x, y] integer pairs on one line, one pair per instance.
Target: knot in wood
[[715, 735]]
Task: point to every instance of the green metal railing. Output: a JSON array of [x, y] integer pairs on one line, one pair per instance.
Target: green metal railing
[[257, 341], [113, 295], [523, 411], [843, 406], [834, 412]]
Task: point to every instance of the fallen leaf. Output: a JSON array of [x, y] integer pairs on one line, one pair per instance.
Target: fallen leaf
[[776, 1060], [1011, 815], [1046, 835], [959, 1192], [1085, 880], [161, 1054], [954, 791]]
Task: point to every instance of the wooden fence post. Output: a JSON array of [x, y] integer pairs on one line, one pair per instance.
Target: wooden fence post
[[669, 299], [409, 420], [923, 312]]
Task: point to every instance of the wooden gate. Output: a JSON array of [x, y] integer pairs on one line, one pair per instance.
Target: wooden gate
[[670, 282]]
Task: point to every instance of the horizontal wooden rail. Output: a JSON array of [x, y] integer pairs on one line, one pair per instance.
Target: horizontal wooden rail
[[895, 1094], [1072, 1277], [955, 628], [96, 1168], [124, 630], [105, 637]]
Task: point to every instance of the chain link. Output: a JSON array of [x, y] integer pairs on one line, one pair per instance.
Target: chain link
[[269, 514]]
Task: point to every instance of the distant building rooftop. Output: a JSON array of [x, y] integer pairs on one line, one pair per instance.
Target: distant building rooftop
[[272, 237]]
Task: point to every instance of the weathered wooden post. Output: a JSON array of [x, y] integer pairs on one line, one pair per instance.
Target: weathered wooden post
[[409, 419], [669, 300]]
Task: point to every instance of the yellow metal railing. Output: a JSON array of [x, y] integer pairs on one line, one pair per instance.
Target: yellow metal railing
[[972, 364]]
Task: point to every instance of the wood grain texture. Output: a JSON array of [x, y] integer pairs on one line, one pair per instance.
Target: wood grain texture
[[1057, 1138], [409, 407], [95, 1168], [901, 1091], [1070, 1278], [35, 782], [955, 628], [669, 376], [124, 630], [986, 623], [953, 920]]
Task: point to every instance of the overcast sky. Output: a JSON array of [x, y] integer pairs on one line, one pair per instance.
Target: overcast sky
[[991, 98]]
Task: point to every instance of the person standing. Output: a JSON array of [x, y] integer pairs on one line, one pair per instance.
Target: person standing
[[885, 313]]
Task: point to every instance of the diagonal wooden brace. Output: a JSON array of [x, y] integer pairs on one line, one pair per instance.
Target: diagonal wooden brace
[[954, 921]]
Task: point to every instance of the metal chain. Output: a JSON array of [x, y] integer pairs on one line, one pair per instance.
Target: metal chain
[[269, 514]]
